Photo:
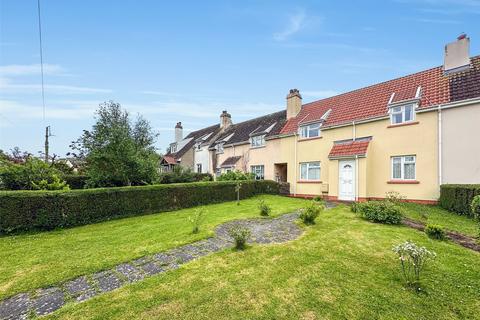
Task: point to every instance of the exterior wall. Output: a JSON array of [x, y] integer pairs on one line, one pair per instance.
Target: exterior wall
[[187, 159], [202, 157], [460, 148], [374, 171]]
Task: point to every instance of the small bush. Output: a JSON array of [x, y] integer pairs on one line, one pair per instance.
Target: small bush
[[413, 259], [264, 208], [475, 206], [183, 175], [354, 207], [75, 181], [53, 184], [380, 211], [435, 231], [394, 197], [310, 212], [197, 219], [235, 176], [240, 235]]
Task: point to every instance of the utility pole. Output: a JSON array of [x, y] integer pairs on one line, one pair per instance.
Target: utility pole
[[47, 135]]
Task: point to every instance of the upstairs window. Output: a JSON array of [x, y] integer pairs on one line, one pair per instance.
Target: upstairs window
[[310, 131], [402, 114], [403, 168], [173, 148], [199, 168], [257, 141], [220, 148], [259, 172], [310, 170], [199, 146]]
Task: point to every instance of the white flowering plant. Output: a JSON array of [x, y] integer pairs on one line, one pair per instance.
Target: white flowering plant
[[413, 259]]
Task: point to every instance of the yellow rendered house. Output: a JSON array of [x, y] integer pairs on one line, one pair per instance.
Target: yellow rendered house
[[407, 135]]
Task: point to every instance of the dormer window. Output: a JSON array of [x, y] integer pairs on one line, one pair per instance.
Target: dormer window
[[173, 148], [257, 141], [402, 114], [310, 131], [220, 148], [199, 146]]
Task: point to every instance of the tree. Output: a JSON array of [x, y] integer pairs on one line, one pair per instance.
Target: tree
[[117, 152]]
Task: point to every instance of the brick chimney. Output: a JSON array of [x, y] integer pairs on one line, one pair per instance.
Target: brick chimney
[[178, 132], [294, 103], [225, 120], [457, 55]]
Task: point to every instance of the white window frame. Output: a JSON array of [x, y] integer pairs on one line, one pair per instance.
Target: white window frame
[[306, 130], [401, 110], [219, 148], [173, 148], [199, 146], [259, 171], [257, 141], [403, 161], [199, 168], [310, 165]]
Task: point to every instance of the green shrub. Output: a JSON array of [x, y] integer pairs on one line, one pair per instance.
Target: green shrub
[[197, 219], [264, 208], [475, 207], [413, 259], [240, 236], [236, 175], [435, 231], [29, 210], [380, 211], [354, 207], [458, 197], [28, 175], [75, 181], [55, 183], [183, 175], [394, 197], [311, 211]]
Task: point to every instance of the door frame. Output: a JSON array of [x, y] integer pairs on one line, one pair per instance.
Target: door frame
[[353, 162]]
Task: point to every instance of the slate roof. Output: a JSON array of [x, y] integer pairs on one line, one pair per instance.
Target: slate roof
[[372, 102], [349, 148], [191, 140], [230, 161], [270, 125]]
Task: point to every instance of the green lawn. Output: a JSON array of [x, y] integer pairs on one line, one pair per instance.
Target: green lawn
[[437, 215], [31, 261], [341, 268]]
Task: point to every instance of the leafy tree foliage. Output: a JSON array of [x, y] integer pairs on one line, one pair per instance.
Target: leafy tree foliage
[[117, 151], [32, 174]]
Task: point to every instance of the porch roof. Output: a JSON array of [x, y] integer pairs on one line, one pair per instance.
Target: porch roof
[[230, 161], [349, 149]]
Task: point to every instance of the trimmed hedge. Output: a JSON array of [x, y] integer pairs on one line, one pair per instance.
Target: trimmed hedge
[[458, 197], [75, 181], [46, 210]]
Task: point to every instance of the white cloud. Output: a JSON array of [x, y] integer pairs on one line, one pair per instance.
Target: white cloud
[[296, 23], [320, 94], [8, 87], [29, 69], [56, 110]]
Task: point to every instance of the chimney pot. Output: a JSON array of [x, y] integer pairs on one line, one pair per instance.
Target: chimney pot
[[225, 120], [294, 103], [457, 55], [178, 132]]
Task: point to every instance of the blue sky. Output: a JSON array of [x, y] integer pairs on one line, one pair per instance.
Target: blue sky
[[189, 60]]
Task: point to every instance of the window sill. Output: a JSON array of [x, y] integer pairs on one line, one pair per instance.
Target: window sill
[[308, 139], [403, 124], [309, 181], [403, 182]]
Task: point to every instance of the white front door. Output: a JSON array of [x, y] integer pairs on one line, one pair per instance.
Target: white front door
[[346, 183]]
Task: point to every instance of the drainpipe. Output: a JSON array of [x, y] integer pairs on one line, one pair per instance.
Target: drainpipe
[[440, 178], [354, 130], [295, 168]]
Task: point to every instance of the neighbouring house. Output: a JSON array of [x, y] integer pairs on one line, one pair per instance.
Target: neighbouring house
[[185, 151], [408, 135], [248, 146]]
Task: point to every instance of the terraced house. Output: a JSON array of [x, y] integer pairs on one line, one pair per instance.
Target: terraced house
[[406, 135]]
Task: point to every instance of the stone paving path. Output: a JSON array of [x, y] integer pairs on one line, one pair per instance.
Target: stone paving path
[[46, 300]]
